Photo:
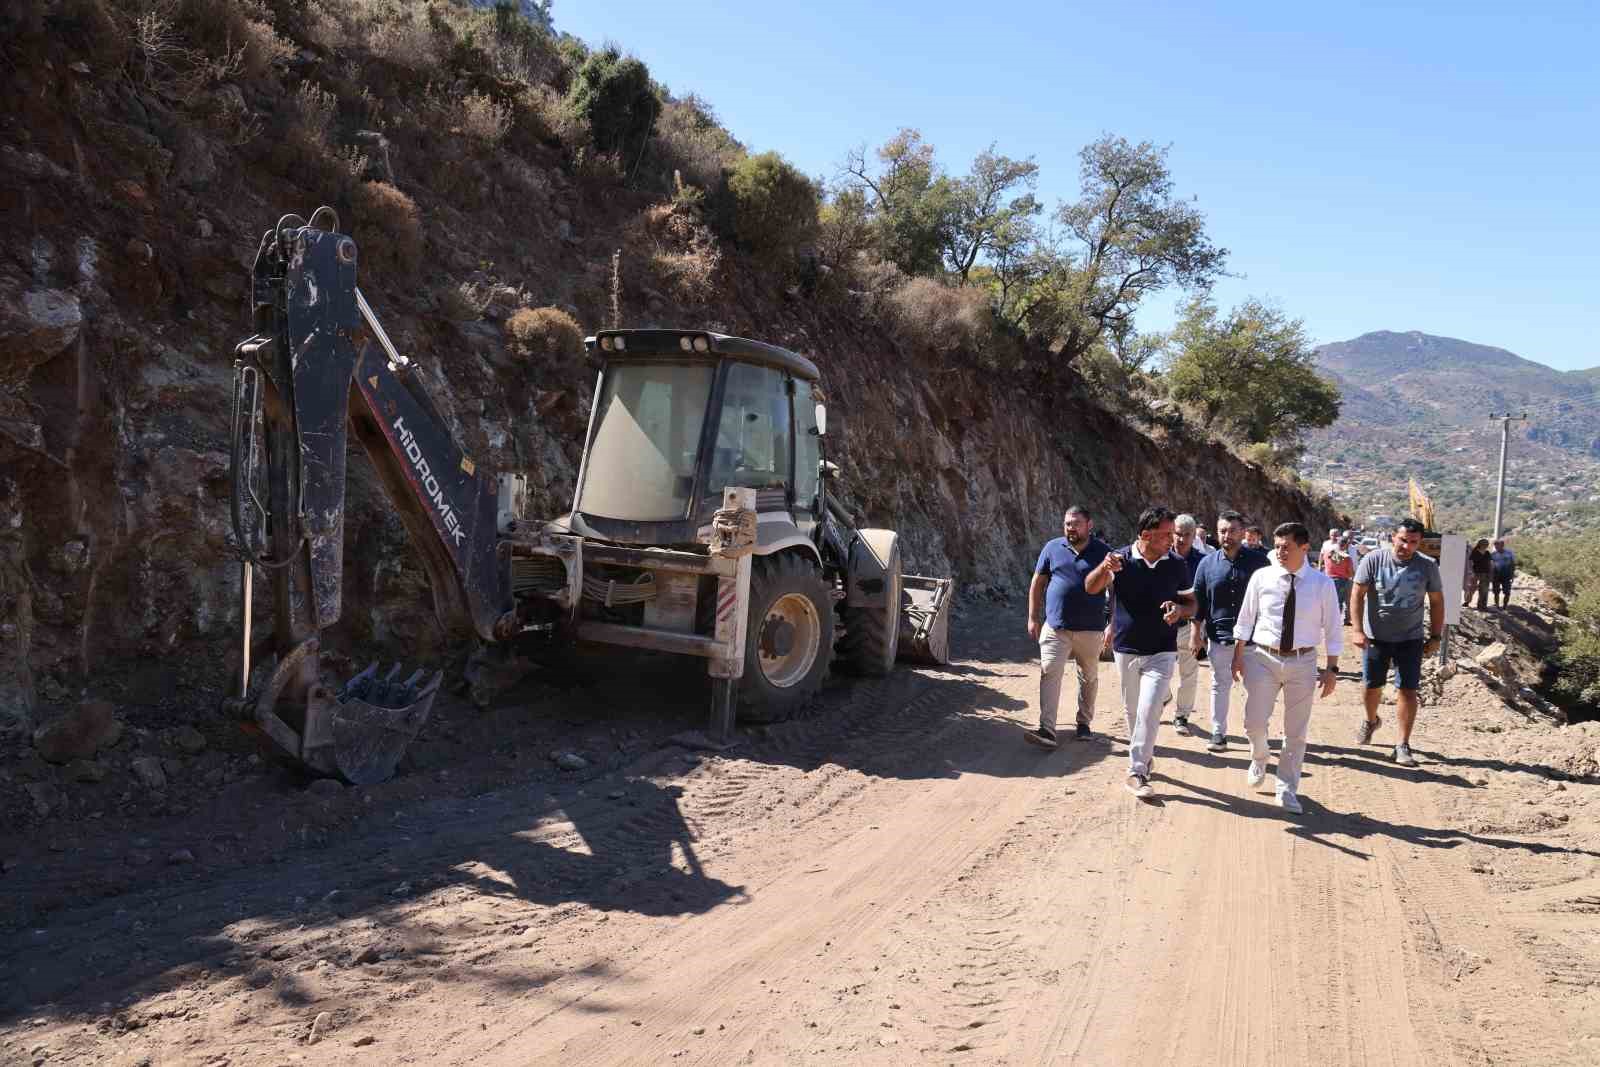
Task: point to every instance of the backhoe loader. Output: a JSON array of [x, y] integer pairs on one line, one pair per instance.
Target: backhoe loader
[[704, 521]]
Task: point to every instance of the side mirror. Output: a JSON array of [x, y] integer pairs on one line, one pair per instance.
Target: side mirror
[[828, 470], [822, 420]]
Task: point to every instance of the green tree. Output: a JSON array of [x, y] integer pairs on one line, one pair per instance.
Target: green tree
[[775, 206], [613, 94], [985, 218], [1252, 373], [1128, 235], [911, 201]]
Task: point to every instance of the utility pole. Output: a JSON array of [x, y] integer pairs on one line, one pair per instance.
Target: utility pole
[[1505, 441]]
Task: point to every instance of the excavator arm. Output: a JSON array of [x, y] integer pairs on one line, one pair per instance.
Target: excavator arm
[[318, 368]]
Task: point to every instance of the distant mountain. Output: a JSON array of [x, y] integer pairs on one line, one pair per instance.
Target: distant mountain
[[1417, 404]]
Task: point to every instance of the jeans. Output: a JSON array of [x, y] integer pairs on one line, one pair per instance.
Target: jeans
[[1342, 587], [1266, 674], [1220, 656], [1055, 648], [1145, 681]]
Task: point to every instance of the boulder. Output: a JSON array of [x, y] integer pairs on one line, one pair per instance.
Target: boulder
[[189, 740], [86, 770], [35, 327], [1495, 660], [148, 770], [1552, 601], [79, 733]]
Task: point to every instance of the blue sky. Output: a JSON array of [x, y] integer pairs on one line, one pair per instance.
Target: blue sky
[[1427, 167]]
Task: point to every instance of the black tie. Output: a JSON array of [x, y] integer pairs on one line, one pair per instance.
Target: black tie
[[1286, 641]]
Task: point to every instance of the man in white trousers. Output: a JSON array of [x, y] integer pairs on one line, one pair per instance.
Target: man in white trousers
[[1149, 600], [1289, 610]]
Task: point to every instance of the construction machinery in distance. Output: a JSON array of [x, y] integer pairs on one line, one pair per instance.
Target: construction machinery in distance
[[704, 521]]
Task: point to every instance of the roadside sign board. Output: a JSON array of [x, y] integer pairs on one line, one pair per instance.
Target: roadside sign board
[[1451, 552]]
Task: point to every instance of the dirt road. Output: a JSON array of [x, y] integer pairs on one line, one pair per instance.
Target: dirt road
[[896, 879]]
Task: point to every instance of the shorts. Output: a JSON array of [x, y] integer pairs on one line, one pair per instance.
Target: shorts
[[1407, 659]]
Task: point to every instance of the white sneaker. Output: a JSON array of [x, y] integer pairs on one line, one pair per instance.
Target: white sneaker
[[1256, 774], [1289, 802]]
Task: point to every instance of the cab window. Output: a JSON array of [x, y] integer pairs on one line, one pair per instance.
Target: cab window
[[752, 443]]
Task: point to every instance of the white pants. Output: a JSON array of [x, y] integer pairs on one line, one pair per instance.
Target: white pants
[[1266, 674], [1220, 656], [1188, 672], [1056, 647], [1145, 681]]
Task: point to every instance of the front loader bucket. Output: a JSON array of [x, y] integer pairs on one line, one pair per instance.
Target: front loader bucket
[[925, 619], [361, 734]]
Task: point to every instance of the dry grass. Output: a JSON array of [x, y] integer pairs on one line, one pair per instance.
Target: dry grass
[[545, 332], [945, 318], [683, 253], [482, 118], [393, 231]]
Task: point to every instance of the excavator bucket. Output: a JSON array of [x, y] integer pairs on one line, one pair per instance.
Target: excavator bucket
[[925, 619], [365, 729]]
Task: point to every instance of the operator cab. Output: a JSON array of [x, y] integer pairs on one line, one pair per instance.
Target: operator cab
[[680, 415]]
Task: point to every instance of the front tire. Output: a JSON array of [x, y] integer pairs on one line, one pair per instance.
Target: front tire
[[789, 638], [872, 635]]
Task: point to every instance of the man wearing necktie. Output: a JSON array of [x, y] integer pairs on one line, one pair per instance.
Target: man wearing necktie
[[1289, 610]]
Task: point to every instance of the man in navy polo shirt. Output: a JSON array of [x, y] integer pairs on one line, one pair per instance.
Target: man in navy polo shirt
[[1067, 622], [1219, 586], [1148, 603]]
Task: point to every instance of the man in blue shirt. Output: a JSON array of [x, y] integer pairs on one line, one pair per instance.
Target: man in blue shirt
[[1067, 621], [1502, 566], [1149, 601], [1185, 531], [1219, 586]]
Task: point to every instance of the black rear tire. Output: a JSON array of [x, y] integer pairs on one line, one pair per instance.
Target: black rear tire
[[872, 635], [789, 640]]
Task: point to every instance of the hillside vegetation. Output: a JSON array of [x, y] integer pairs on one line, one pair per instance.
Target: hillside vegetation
[[509, 190]]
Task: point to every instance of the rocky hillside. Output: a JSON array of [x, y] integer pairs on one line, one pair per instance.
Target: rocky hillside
[[134, 214], [1415, 404]]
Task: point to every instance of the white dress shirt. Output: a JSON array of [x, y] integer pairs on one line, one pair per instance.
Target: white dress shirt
[[1317, 618]]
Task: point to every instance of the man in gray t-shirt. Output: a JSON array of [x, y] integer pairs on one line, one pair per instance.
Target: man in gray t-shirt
[[1397, 594]]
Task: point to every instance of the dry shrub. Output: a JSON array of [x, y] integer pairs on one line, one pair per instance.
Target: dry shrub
[[400, 35], [683, 253], [553, 119], [548, 333], [390, 217], [315, 108], [482, 118], [693, 142], [945, 318]]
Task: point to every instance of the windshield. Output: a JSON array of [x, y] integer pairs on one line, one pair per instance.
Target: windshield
[[642, 459]]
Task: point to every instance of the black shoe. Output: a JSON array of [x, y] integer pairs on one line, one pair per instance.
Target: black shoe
[[1083, 732], [1042, 737], [1180, 725]]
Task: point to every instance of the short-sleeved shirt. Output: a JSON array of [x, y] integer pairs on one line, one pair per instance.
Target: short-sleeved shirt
[[1397, 604], [1343, 567], [1066, 605], [1139, 591], [1219, 587], [1192, 559], [1504, 561]]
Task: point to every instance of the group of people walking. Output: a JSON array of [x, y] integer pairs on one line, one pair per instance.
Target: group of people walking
[[1489, 570], [1260, 616]]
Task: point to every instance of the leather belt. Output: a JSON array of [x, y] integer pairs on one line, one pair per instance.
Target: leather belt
[[1275, 652]]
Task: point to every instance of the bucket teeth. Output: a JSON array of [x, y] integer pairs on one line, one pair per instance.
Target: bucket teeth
[[377, 717]]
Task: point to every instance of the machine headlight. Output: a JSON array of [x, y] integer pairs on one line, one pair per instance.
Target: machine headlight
[[686, 342], [622, 344], [605, 343], [702, 345]]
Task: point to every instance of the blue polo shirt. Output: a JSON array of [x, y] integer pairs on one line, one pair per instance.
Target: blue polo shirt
[[1192, 559], [1066, 605], [1140, 591], [1219, 586]]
